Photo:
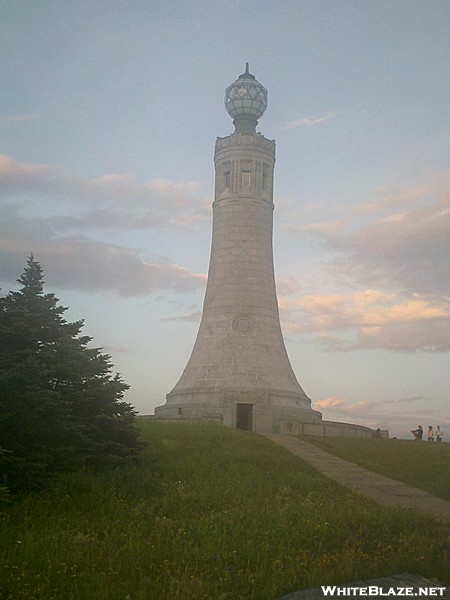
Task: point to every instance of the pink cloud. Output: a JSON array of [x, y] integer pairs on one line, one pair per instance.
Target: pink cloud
[[372, 319], [15, 176], [391, 271], [331, 402], [398, 415], [169, 201], [47, 211]]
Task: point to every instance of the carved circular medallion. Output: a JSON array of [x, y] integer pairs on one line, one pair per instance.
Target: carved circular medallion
[[242, 323]]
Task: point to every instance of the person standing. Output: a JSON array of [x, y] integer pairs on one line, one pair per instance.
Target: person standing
[[438, 434], [418, 433], [430, 433]]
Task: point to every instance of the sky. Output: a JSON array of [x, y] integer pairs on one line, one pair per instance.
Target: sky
[[108, 117]]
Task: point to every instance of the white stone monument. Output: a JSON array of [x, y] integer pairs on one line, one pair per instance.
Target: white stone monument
[[239, 372]]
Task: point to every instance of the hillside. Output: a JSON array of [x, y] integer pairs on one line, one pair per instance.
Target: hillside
[[209, 513]]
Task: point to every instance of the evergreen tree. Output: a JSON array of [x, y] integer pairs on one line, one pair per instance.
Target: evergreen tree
[[60, 405]]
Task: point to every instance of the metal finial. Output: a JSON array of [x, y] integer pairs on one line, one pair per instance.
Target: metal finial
[[247, 74]]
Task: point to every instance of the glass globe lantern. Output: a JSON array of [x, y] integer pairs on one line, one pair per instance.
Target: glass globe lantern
[[246, 101]]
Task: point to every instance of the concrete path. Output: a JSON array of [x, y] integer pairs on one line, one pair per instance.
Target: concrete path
[[381, 489]]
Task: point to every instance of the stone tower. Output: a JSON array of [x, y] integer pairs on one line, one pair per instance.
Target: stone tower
[[239, 372]]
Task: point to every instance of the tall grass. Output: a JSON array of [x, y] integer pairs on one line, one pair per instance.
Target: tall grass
[[422, 464], [211, 513]]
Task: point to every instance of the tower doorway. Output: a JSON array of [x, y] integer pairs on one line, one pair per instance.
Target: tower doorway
[[244, 416]]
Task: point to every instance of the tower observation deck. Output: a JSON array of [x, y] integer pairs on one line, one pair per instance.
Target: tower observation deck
[[239, 372]]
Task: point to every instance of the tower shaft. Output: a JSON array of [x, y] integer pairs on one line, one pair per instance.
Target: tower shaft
[[239, 371]]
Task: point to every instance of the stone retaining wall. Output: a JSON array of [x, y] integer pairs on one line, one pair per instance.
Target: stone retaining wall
[[290, 427]]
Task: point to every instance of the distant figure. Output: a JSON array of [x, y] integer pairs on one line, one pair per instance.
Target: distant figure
[[377, 433], [418, 433], [430, 433], [438, 434]]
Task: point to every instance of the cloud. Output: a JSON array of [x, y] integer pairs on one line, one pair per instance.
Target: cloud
[[407, 249], [326, 230], [410, 250], [388, 199], [388, 264], [370, 319], [88, 265], [105, 218], [16, 176], [75, 201], [12, 119], [115, 349], [191, 317], [57, 217], [287, 285], [407, 400], [332, 401], [416, 337], [308, 122], [398, 415]]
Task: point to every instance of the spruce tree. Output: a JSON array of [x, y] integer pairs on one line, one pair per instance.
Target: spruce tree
[[60, 404]]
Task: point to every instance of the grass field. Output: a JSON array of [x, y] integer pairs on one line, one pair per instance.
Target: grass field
[[210, 513], [422, 464]]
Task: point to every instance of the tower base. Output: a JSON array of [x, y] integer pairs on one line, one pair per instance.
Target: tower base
[[263, 420], [252, 410], [256, 410]]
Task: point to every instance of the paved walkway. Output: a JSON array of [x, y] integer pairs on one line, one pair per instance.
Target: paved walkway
[[381, 489]]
